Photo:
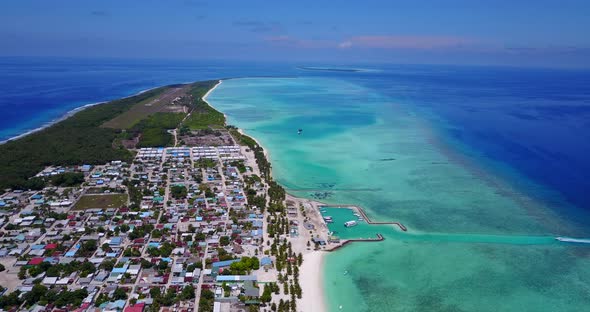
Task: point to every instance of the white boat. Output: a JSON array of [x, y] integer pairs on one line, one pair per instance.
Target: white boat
[[350, 223], [573, 240]]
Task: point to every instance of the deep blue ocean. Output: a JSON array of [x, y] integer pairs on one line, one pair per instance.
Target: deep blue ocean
[[531, 123]]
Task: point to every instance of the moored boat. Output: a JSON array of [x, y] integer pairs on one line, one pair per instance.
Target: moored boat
[[350, 223]]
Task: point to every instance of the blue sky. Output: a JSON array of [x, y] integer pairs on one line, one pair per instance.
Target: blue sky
[[529, 33]]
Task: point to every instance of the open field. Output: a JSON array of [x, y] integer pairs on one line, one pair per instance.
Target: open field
[[101, 201], [172, 100]]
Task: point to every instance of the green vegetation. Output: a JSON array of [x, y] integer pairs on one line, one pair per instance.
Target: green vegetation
[[101, 201], [178, 191], [240, 165], [154, 129], [203, 115], [43, 296], [224, 240], [205, 163], [67, 179], [61, 270], [140, 231], [164, 250], [74, 141], [87, 248], [244, 266], [206, 300], [263, 163]]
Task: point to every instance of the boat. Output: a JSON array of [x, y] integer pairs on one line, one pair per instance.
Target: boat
[[573, 240], [350, 223], [299, 131], [328, 219]]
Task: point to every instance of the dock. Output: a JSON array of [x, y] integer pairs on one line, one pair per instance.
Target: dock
[[348, 241], [366, 217]]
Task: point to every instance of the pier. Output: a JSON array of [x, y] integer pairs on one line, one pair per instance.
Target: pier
[[364, 215], [348, 241]]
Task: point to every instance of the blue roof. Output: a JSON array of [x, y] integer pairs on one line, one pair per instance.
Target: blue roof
[[220, 264], [70, 253], [121, 270], [266, 261], [236, 278], [36, 247], [115, 241], [51, 260]]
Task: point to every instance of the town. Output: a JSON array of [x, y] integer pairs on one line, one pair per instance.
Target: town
[[198, 228]]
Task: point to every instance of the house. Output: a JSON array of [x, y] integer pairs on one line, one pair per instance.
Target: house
[[49, 281], [35, 261], [135, 308], [250, 290], [134, 269]]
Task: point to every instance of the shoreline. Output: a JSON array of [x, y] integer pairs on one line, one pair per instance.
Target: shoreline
[[219, 81], [67, 115], [312, 268], [313, 297]]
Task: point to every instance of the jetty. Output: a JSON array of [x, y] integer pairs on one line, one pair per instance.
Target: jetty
[[365, 216], [348, 241]]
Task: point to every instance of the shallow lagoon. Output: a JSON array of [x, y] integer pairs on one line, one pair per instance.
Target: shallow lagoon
[[474, 242]]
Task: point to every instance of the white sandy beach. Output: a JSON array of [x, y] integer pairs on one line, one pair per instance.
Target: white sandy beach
[[311, 280], [209, 92]]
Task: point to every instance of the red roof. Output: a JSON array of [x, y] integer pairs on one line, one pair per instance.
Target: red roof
[[135, 308], [50, 246], [36, 261]]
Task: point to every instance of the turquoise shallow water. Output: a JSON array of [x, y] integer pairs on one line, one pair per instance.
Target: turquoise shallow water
[[474, 242]]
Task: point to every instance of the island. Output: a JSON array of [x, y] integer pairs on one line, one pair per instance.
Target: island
[[153, 202]]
